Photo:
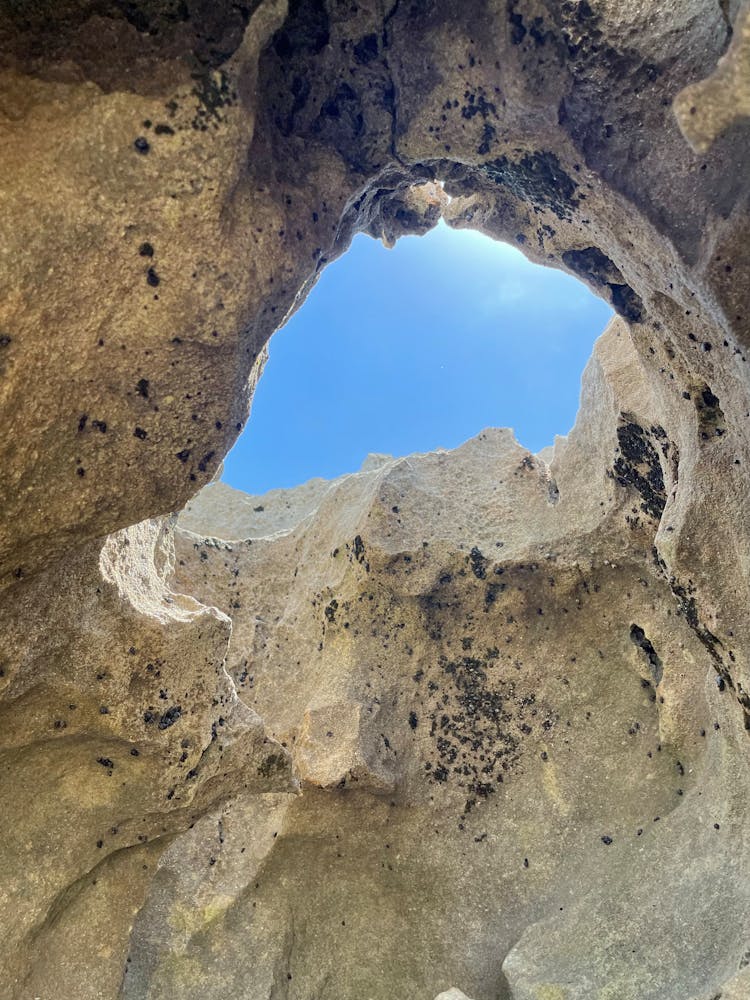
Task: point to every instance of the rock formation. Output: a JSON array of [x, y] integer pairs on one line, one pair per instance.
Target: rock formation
[[472, 723]]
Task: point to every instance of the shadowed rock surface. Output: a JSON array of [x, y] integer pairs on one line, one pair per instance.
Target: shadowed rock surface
[[462, 724]]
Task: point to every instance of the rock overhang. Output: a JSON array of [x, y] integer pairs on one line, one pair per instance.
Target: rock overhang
[[176, 177]]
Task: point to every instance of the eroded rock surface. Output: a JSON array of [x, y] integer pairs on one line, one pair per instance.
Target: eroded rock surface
[[467, 718], [478, 661]]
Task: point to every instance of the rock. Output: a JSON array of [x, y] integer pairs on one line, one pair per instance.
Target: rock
[[264, 129], [333, 749], [120, 728], [198, 882], [443, 595], [706, 109], [534, 669], [452, 994]]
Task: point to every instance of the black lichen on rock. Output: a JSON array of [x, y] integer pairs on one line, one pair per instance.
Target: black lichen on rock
[[170, 716], [711, 422], [537, 178], [638, 467]]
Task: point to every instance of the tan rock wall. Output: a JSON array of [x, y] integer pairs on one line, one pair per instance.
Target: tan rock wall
[[518, 662]]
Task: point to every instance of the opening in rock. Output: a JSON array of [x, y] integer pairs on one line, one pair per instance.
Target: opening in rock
[[416, 348]]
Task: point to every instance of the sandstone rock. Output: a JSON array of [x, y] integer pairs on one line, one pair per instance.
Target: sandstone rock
[[199, 880], [120, 727], [706, 109], [273, 149], [440, 587], [534, 668]]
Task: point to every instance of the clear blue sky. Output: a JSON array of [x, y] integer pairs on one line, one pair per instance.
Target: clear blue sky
[[417, 348]]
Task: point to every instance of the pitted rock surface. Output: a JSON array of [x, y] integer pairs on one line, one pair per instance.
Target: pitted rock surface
[[476, 719]]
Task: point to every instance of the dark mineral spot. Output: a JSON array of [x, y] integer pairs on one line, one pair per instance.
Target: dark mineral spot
[[366, 49], [359, 549], [710, 414], [517, 27], [640, 639], [273, 763], [593, 265], [627, 302], [537, 178], [638, 466], [170, 717], [306, 30], [478, 563]]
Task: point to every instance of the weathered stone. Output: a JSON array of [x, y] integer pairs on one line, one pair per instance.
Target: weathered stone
[[534, 670], [120, 727], [706, 109], [507, 672]]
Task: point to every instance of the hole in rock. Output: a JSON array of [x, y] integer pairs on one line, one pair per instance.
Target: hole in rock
[[417, 348]]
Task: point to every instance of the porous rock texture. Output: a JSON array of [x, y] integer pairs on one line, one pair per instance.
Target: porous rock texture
[[472, 723]]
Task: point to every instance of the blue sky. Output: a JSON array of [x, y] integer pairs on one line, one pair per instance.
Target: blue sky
[[416, 348]]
